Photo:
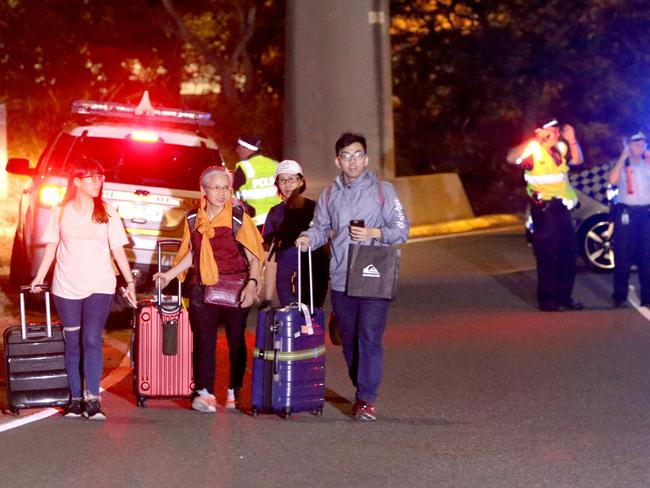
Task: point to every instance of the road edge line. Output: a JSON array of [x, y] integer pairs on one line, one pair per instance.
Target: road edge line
[[636, 303], [12, 424]]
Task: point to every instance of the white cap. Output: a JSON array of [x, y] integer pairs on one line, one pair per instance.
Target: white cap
[[288, 166]]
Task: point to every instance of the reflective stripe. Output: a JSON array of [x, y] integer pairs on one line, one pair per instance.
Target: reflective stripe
[[546, 179], [249, 171], [258, 193], [247, 145], [288, 356], [260, 219]]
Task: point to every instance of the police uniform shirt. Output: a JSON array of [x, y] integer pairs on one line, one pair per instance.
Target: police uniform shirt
[[640, 184]]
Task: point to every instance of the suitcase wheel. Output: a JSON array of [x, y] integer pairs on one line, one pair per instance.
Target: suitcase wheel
[[318, 412], [255, 412], [287, 413], [14, 410], [141, 402]]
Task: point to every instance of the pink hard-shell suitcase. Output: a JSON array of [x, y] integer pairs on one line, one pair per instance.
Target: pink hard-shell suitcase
[[162, 347]]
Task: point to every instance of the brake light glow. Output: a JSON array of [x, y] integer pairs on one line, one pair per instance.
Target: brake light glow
[[144, 136], [51, 195]]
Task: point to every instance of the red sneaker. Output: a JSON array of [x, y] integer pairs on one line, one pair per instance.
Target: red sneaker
[[364, 411]]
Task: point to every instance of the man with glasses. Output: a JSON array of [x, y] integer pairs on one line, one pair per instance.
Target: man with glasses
[[546, 160], [357, 208]]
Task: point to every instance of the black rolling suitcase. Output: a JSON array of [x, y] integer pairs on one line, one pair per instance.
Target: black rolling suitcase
[[34, 366]]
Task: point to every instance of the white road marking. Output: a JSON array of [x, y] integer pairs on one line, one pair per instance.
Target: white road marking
[[12, 424], [122, 370], [113, 378], [633, 298]]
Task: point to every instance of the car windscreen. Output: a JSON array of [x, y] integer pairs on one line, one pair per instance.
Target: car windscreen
[[140, 163]]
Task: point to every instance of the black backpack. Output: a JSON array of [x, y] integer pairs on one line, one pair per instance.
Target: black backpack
[[237, 218]]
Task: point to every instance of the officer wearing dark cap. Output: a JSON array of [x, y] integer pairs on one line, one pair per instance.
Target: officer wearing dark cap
[[545, 160], [254, 179], [631, 217]]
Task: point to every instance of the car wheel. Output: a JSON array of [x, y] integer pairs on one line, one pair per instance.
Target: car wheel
[[19, 266], [595, 241]]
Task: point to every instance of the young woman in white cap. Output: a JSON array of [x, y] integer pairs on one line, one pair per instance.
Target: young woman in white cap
[[284, 224]]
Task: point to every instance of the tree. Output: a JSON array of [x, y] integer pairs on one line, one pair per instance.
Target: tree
[[55, 51], [472, 76]]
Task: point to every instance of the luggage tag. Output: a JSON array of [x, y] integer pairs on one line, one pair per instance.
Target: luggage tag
[[308, 327]]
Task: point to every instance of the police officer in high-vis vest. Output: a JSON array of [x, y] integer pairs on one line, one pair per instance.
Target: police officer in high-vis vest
[[631, 217], [545, 160], [254, 179]]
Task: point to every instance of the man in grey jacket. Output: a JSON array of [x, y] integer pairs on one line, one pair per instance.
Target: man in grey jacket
[[357, 195]]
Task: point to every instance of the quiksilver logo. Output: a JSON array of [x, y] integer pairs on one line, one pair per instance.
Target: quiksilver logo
[[370, 272]]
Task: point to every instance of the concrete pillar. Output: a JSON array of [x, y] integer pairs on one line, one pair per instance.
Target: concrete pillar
[[3, 151], [338, 78]]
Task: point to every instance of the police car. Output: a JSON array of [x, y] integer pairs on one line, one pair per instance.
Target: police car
[[152, 158], [591, 217]]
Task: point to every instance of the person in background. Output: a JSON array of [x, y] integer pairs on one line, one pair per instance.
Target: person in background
[[283, 225], [212, 249], [631, 217], [81, 235], [545, 160], [361, 321], [254, 179]]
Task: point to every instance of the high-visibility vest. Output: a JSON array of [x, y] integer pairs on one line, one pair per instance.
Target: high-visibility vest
[[546, 179], [259, 190]]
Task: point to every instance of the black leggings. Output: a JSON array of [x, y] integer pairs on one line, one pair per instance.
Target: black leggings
[[204, 319]]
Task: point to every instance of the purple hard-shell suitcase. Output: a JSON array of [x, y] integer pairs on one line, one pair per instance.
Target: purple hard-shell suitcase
[[289, 359], [35, 372]]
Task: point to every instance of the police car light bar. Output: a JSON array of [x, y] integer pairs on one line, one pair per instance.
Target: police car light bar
[[111, 109]]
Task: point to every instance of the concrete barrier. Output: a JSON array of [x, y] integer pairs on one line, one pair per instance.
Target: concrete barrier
[[429, 199]]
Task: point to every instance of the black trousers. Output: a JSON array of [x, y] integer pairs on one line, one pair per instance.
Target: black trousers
[[204, 320], [631, 240], [554, 244]]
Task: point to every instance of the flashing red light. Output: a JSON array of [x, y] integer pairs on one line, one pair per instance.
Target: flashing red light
[[144, 136]]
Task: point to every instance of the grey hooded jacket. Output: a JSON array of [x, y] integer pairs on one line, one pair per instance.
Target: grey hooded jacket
[[358, 200]]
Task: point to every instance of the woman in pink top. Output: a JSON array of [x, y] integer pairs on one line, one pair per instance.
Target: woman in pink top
[[82, 234]]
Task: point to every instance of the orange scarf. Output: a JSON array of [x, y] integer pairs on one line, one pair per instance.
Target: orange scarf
[[247, 235]]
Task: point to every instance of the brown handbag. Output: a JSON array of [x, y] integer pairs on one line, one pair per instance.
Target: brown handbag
[[226, 292]]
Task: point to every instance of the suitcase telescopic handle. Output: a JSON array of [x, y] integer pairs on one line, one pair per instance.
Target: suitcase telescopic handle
[[23, 319], [311, 279], [177, 305]]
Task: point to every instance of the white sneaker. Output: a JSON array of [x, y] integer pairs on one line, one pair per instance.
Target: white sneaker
[[204, 402], [231, 402]]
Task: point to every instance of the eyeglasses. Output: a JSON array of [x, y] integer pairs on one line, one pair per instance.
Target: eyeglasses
[[218, 188], [346, 156], [96, 177], [288, 179]]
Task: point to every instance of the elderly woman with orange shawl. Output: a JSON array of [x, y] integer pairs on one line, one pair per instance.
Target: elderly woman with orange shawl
[[209, 249]]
